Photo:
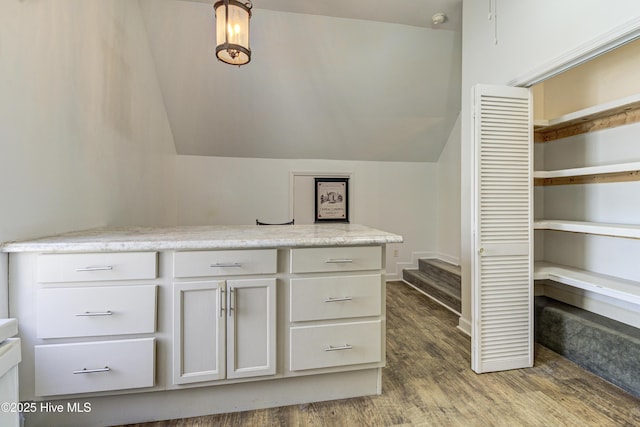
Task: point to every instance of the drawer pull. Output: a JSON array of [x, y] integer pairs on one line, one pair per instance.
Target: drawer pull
[[92, 371], [338, 261], [338, 348], [226, 265], [95, 313], [331, 299], [95, 268]]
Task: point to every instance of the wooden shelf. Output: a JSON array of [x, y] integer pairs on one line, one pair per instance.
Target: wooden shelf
[[622, 289], [590, 170], [602, 229], [600, 110], [603, 116], [621, 172]]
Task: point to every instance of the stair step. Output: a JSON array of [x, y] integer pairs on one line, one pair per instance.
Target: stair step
[[441, 272], [431, 281], [452, 269], [442, 292]]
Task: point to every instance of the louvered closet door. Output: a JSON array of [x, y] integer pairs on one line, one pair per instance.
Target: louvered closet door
[[502, 332]]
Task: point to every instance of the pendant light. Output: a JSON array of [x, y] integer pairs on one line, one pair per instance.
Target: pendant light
[[232, 31]]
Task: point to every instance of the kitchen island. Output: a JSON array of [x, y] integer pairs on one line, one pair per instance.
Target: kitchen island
[[128, 324]]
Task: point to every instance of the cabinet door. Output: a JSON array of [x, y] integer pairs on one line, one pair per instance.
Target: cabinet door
[[251, 328], [198, 331]]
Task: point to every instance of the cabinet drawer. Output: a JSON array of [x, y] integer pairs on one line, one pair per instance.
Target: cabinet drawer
[[339, 258], [95, 311], [335, 345], [320, 298], [224, 263], [96, 366], [55, 268]]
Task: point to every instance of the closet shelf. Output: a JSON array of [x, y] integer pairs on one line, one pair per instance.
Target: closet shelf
[[603, 116], [591, 113], [603, 229], [622, 289], [589, 170]]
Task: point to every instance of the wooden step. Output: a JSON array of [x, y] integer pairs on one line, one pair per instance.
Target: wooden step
[[439, 291], [442, 272]]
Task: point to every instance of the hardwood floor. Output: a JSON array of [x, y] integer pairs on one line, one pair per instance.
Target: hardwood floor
[[428, 381]]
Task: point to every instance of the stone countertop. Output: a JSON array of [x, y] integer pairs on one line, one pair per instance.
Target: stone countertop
[[114, 239]]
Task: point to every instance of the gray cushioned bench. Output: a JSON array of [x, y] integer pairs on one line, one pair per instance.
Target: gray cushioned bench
[[606, 347]]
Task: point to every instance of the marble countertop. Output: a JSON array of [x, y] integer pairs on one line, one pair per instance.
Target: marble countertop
[[204, 237]]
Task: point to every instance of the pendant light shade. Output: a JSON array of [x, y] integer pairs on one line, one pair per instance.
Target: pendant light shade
[[232, 31]]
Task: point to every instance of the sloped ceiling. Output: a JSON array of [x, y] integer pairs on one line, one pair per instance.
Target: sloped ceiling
[[328, 79]]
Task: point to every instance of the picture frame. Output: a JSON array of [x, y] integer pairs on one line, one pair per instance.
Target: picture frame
[[331, 200]]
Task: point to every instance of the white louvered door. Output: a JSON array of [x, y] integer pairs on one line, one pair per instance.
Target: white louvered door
[[502, 264]]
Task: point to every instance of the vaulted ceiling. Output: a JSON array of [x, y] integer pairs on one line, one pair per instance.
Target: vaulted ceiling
[[328, 79]]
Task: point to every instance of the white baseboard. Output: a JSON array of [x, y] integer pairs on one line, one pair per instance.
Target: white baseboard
[[431, 298], [413, 264], [464, 325]]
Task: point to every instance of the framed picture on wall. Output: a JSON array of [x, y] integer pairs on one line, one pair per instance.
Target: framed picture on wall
[[332, 199]]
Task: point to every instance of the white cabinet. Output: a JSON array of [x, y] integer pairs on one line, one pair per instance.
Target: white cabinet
[[341, 297], [205, 323], [10, 357], [224, 263], [83, 296], [91, 267], [336, 308], [347, 258], [199, 332], [251, 328], [94, 366], [96, 311], [224, 329], [338, 344]]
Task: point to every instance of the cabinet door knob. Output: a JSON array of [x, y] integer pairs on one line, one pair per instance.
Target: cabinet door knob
[[220, 301], [232, 301]]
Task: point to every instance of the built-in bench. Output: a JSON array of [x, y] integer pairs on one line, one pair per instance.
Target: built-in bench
[[606, 347]]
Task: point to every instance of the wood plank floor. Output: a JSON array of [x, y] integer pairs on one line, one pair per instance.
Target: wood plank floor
[[428, 382]]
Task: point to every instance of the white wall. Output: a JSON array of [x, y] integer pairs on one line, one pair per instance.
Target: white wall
[[605, 78], [317, 86], [529, 34], [84, 139], [449, 198], [398, 197]]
